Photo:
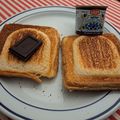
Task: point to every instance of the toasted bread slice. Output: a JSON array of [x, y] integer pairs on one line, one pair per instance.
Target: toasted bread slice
[[44, 62], [91, 63]]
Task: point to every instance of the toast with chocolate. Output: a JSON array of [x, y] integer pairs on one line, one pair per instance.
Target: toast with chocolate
[[91, 62], [29, 51]]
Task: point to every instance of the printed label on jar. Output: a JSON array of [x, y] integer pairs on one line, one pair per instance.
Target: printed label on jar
[[90, 21]]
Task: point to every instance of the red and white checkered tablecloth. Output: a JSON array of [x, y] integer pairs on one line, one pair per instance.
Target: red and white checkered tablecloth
[[9, 8]]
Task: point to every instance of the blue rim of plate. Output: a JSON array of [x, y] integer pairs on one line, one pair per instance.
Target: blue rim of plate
[[23, 117]]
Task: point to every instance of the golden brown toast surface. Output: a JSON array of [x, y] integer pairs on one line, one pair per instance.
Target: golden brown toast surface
[[96, 55], [75, 81]]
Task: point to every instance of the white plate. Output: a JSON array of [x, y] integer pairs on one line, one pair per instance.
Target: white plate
[[24, 99]]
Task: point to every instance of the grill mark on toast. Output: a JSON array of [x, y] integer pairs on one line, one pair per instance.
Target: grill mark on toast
[[96, 53], [91, 47], [107, 55], [84, 52]]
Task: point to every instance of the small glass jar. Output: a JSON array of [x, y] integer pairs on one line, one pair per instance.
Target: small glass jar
[[90, 20]]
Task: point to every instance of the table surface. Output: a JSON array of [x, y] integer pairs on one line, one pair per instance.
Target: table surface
[[9, 8]]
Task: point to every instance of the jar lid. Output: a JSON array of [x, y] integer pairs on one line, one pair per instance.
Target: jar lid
[[91, 7]]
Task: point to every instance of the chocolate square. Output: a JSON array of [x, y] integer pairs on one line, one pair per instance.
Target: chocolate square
[[25, 48]]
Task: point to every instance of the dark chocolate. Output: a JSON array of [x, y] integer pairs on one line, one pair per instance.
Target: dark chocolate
[[25, 48]]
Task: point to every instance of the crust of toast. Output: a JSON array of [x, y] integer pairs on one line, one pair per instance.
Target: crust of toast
[[20, 74], [74, 81], [54, 38]]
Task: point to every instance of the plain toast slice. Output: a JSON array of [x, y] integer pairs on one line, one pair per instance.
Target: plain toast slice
[[95, 79]]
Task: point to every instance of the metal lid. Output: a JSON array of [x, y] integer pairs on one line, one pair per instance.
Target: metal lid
[[91, 7]]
